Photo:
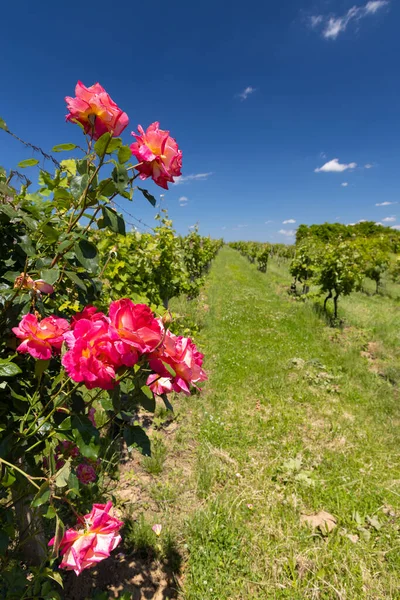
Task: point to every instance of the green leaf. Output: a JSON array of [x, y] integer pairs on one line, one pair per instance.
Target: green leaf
[[136, 437], [113, 145], [73, 484], [63, 147], [3, 124], [113, 220], [87, 255], [26, 245], [78, 185], [61, 194], [40, 367], [76, 279], [148, 196], [8, 369], [57, 577], [106, 187], [120, 177], [146, 398], [51, 513], [50, 233], [29, 162], [69, 165], [9, 211], [82, 166], [8, 479], [102, 143], [124, 154], [63, 474], [58, 536], [42, 496], [86, 436], [50, 275]]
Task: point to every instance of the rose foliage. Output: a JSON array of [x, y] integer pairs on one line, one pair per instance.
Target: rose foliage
[[77, 365]]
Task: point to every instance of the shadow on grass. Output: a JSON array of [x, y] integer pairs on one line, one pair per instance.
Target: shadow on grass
[[327, 316], [147, 568], [132, 577]]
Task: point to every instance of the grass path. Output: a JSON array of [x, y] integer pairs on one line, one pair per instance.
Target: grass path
[[292, 422]]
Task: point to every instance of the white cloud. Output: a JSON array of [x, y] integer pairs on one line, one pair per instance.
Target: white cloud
[[266, 222], [287, 232], [183, 200], [385, 203], [246, 92], [334, 166], [389, 219], [288, 221], [378, 223], [316, 20], [197, 177], [368, 166], [374, 5], [332, 26], [395, 227], [336, 25], [344, 184]]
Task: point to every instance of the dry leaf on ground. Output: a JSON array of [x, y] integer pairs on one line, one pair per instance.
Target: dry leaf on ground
[[321, 520]]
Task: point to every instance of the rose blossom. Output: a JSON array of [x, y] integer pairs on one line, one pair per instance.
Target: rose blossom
[[184, 359], [136, 327], [40, 338], [68, 448], [86, 473], [158, 154], [92, 357], [25, 281], [91, 313], [94, 109], [93, 542]]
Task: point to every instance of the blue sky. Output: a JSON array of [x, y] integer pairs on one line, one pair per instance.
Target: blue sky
[[258, 95]]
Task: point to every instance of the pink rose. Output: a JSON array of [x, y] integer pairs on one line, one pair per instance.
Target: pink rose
[[93, 542], [25, 281], [158, 154], [41, 338], [94, 109], [183, 357], [91, 313], [92, 357], [68, 448], [136, 327], [86, 473]]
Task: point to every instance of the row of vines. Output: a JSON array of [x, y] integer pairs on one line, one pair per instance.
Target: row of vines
[[85, 338], [333, 260]]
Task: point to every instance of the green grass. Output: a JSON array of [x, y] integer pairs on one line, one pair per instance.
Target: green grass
[[292, 421], [297, 417]]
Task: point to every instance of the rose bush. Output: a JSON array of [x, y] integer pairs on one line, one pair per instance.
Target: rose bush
[[72, 363]]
